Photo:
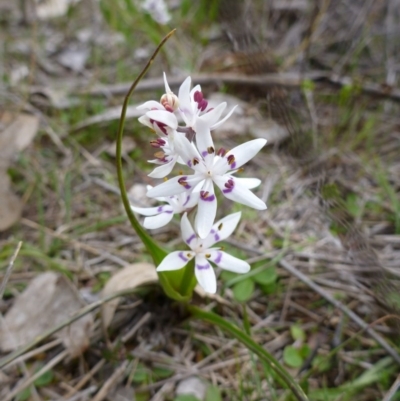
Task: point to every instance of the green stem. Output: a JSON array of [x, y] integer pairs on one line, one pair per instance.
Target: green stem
[[252, 346], [154, 249]]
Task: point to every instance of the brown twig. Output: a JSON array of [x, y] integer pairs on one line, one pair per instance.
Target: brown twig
[[284, 79]]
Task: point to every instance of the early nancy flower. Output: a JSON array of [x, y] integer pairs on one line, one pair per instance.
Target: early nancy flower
[[202, 251], [166, 156], [193, 107], [159, 216], [169, 101], [211, 168]]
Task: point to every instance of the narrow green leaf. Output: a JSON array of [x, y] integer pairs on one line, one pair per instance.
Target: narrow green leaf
[[246, 340]]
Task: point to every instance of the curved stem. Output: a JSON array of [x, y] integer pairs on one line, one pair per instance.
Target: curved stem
[[154, 249], [252, 346]]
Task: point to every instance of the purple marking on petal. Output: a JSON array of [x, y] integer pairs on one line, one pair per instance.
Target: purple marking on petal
[[233, 165], [202, 267], [229, 185], [182, 181], [231, 160], [162, 126], [160, 209], [198, 96], [218, 258], [189, 163], [183, 257], [187, 200], [190, 239], [216, 237], [204, 153], [168, 211], [157, 143], [206, 196]]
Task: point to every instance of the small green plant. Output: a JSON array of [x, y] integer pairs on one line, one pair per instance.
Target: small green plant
[[179, 271]]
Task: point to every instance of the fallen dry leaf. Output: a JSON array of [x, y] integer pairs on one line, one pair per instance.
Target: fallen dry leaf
[[16, 133], [130, 277], [48, 300]]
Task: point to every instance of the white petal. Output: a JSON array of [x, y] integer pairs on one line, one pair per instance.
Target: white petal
[[174, 186], [244, 152], [220, 122], [197, 88], [163, 116], [151, 105], [175, 260], [206, 209], [205, 275], [222, 229], [191, 200], [229, 262], [188, 234], [158, 221], [148, 211], [163, 170], [188, 152], [204, 141], [239, 193], [146, 121], [167, 88], [211, 117], [249, 183], [185, 104]]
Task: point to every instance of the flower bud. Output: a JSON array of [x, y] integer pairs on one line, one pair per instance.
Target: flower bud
[[170, 101]]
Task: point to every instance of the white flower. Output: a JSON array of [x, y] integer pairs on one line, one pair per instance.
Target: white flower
[[161, 121], [159, 216], [167, 156], [169, 101], [193, 107], [203, 252], [190, 105], [211, 168]]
